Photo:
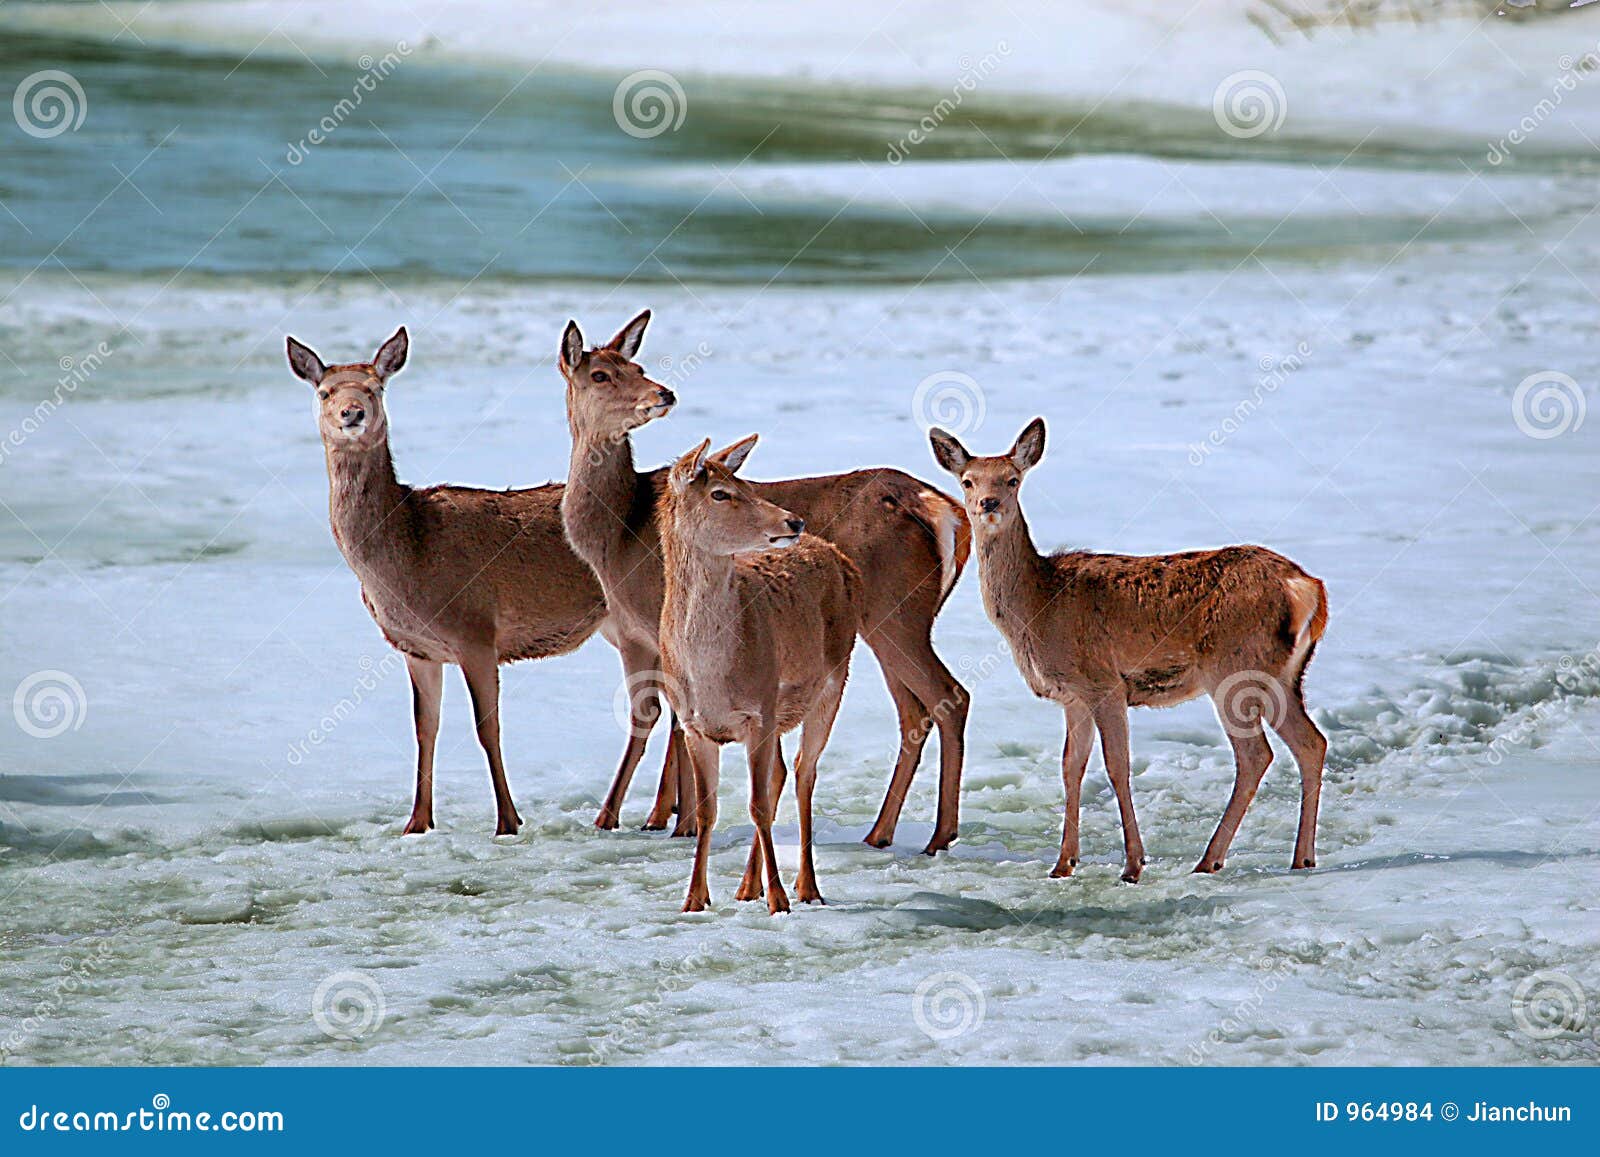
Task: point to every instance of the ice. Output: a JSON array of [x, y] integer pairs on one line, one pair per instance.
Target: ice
[[213, 879]]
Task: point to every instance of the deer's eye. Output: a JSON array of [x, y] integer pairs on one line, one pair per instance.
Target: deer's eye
[[966, 484], [600, 377], [1012, 484], [720, 496], [322, 394]]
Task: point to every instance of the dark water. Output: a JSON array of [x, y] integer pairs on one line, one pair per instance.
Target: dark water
[[185, 164]]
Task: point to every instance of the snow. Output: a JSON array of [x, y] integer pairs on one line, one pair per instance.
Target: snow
[[225, 877], [1454, 67]]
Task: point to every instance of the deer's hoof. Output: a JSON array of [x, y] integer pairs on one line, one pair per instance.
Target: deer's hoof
[[417, 827], [1130, 876], [1304, 862], [1207, 867], [938, 844], [1061, 871], [606, 821]]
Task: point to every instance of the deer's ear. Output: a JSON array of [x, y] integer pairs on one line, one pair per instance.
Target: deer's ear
[[1029, 446], [392, 355], [571, 347], [630, 337], [948, 451], [305, 363], [686, 469], [732, 457]]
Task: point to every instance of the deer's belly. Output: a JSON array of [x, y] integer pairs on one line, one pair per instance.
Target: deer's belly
[[1161, 686], [409, 631]]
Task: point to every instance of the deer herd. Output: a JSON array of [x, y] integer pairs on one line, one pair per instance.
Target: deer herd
[[739, 603]]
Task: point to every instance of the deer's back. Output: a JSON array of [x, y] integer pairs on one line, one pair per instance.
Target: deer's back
[[889, 524], [500, 562], [1167, 627]]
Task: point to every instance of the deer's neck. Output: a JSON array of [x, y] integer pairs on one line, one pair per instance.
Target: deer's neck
[[367, 504], [1011, 573], [702, 612], [598, 507]]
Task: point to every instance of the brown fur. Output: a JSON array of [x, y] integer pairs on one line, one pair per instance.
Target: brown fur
[[908, 540], [450, 574], [1099, 633], [754, 643]]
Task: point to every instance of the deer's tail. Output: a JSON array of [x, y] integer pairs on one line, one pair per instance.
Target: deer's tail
[[1308, 619]]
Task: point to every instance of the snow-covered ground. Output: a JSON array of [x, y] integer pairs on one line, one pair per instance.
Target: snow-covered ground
[[204, 866], [219, 836]]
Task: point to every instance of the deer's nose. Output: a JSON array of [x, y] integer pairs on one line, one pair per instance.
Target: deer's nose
[[796, 524], [989, 505], [352, 415], [668, 398]]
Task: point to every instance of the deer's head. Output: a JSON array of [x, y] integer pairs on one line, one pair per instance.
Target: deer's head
[[989, 486], [608, 393], [713, 510], [350, 397]]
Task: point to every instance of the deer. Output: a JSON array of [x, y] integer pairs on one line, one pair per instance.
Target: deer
[[451, 574], [1100, 633], [909, 541], [757, 625]]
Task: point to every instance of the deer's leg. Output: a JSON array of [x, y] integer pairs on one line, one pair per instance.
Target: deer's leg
[[482, 669], [667, 790], [911, 656], [1252, 755], [427, 688], [1074, 762], [915, 726], [762, 748], [639, 665], [1310, 749], [705, 757], [813, 738], [688, 811], [1111, 717], [750, 886]]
